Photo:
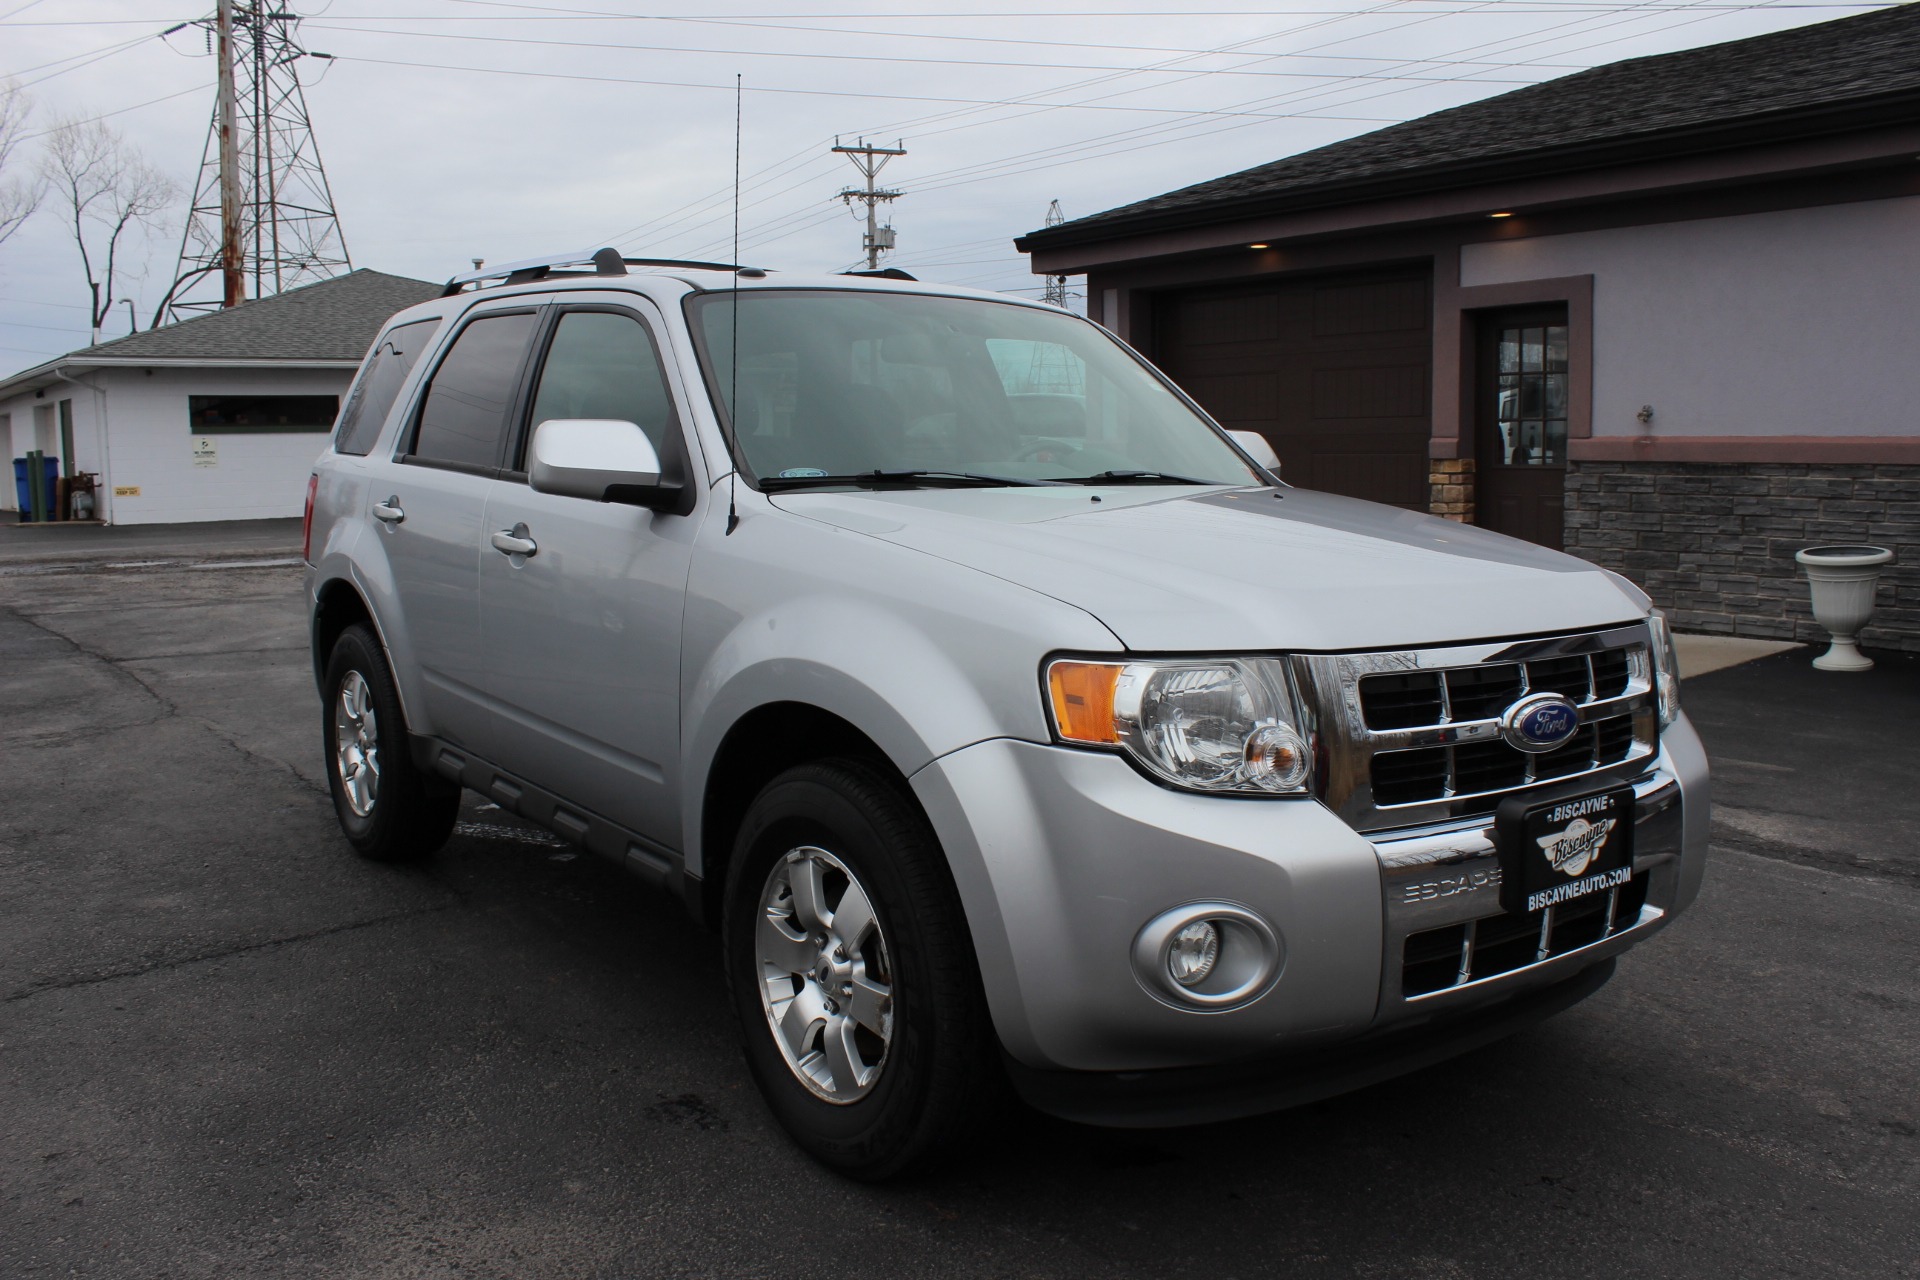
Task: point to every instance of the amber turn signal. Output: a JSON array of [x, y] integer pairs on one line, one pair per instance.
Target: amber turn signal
[[1082, 695]]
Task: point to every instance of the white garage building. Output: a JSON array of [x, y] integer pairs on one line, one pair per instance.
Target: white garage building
[[214, 418]]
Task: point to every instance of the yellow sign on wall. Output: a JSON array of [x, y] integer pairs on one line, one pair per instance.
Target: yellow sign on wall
[[126, 491]]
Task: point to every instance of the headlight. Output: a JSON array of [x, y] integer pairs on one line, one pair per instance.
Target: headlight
[[1219, 725], [1666, 668]]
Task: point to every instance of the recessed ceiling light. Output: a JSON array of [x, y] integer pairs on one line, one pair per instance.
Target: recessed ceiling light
[[1256, 246], [1500, 215]]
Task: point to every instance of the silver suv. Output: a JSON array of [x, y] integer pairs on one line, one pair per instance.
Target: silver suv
[[1010, 721]]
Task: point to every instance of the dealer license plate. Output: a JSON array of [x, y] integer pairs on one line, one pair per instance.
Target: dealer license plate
[[1560, 851]]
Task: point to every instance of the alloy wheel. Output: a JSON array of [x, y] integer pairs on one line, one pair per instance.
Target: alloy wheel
[[826, 981], [356, 744]]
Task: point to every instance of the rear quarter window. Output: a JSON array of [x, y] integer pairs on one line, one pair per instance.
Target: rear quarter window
[[373, 395]]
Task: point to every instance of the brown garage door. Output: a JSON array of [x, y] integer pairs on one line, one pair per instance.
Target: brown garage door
[[1334, 370]]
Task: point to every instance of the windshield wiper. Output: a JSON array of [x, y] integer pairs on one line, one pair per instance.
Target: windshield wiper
[[906, 478], [1136, 477]]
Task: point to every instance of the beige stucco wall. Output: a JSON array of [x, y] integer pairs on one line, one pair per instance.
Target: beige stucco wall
[[1801, 322]]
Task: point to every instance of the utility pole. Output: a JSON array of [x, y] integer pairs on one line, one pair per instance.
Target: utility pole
[[262, 207], [232, 280], [1056, 290], [870, 161]]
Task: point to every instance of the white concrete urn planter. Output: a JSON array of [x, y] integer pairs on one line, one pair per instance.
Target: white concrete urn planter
[[1843, 579]]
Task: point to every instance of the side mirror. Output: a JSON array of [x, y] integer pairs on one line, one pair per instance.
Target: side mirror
[[600, 459], [1259, 448]]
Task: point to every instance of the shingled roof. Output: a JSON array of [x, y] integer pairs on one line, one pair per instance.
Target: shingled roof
[[1807, 80], [332, 320]]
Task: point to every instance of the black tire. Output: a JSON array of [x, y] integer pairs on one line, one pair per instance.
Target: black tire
[[940, 1074], [411, 813]]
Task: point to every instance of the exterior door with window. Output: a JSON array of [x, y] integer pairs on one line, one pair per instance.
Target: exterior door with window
[[428, 508], [582, 633], [1521, 429]]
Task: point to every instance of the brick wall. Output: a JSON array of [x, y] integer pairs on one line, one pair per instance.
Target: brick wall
[[1713, 543]]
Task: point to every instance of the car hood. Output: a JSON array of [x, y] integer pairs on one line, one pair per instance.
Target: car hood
[[1218, 569]]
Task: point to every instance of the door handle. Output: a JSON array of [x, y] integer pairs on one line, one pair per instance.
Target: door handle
[[515, 542], [389, 511]]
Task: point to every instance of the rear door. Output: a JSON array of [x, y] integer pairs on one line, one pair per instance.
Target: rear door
[[430, 505], [583, 633]]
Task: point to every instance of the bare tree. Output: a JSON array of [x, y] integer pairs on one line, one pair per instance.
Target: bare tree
[[19, 193], [105, 188]]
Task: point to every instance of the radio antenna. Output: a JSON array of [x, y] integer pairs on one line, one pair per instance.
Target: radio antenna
[[733, 391]]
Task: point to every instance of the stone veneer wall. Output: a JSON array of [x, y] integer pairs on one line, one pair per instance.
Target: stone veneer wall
[[1713, 543], [1450, 488]]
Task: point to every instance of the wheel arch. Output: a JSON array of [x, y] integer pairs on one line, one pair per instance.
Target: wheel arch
[[759, 746], [338, 603]]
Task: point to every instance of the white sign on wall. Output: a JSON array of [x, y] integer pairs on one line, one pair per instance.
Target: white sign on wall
[[206, 452]]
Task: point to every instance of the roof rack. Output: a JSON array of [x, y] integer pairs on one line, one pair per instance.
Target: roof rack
[[884, 273], [604, 262]]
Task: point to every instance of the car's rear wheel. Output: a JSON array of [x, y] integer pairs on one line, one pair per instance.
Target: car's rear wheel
[[852, 972], [389, 810]]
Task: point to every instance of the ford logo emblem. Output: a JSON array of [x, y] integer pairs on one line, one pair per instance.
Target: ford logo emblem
[[1540, 722]]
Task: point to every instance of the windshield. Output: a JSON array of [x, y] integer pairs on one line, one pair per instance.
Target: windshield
[[836, 383]]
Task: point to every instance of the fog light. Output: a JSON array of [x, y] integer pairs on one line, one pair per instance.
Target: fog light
[[1193, 952], [1207, 957]]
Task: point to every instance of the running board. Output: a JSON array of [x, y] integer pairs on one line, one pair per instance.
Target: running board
[[648, 859]]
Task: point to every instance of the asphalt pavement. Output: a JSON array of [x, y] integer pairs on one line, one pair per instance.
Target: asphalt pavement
[[229, 1048]]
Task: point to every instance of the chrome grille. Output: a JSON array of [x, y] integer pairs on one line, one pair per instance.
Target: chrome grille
[[1456, 954], [1413, 736]]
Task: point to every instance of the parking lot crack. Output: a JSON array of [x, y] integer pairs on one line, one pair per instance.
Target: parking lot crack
[[107, 660], [121, 668], [219, 953]]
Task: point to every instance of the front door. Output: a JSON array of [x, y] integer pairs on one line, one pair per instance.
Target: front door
[[582, 634], [1521, 425]]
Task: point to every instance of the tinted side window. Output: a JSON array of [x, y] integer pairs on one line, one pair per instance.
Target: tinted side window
[[603, 365], [373, 396], [465, 414]]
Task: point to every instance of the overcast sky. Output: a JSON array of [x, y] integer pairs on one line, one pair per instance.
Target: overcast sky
[[454, 129]]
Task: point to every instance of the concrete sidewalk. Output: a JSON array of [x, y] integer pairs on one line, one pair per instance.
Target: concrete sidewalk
[[208, 540], [1700, 655]]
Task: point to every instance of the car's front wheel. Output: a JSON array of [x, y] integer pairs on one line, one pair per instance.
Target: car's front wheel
[[852, 972], [389, 810]]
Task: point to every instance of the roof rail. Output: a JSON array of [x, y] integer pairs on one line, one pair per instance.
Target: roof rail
[[884, 273], [605, 262]]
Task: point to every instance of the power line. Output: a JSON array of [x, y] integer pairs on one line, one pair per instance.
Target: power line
[[1179, 130], [810, 93], [120, 111], [91, 56], [1054, 156], [795, 223], [945, 116], [893, 59]]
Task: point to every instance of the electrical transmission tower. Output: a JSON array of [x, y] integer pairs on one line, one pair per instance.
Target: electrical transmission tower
[[262, 214], [870, 161], [1056, 290]]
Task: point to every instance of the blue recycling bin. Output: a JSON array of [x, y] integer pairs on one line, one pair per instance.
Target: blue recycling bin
[[51, 466]]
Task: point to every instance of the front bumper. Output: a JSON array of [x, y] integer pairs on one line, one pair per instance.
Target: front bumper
[[1249, 1087], [1061, 856]]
